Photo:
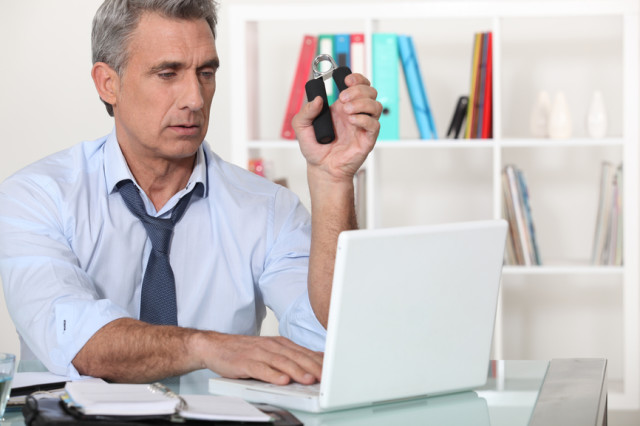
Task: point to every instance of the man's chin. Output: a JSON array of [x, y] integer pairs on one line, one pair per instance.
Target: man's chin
[[181, 148]]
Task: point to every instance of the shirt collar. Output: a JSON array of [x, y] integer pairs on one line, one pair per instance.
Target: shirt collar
[[116, 168]]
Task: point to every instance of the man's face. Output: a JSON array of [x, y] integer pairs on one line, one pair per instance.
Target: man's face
[[164, 95]]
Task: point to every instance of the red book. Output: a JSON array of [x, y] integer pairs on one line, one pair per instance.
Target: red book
[[303, 72], [487, 128]]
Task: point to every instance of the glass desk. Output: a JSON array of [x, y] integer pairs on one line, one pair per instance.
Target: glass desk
[[517, 393]]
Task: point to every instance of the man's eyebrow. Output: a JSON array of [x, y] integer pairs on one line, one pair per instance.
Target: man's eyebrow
[[176, 65], [167, 65], [211, 63]]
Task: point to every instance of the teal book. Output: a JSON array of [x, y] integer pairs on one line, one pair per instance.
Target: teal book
[[415, 86], [385, 75]]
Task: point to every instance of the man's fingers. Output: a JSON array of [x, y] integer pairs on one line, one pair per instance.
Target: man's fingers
[[266, 373], [317, 357], [365, 122], [272, 359], [357, 92], [291, 368], [356, 78], [364, 106], [301, 364]]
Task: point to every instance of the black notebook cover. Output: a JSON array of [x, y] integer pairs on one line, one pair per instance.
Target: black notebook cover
[[53, 412]]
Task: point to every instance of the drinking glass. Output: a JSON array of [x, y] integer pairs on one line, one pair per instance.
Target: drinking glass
[[7, 368]]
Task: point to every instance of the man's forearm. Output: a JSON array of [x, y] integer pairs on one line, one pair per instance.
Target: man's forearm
[[127, 350], [332, 211]]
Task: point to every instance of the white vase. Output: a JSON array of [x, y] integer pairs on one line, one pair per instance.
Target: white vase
[[539, 120], [560, 126], [597, 116]]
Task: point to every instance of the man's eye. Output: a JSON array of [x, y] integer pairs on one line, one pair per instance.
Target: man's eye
[[208, 75], [166, 75]]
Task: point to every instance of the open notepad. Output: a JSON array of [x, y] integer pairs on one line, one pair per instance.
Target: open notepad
[[109, 399]]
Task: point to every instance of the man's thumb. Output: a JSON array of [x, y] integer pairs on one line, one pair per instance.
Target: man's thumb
[[310, 111]]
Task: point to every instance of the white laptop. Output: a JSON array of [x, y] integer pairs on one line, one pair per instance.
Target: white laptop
[[412, 314]]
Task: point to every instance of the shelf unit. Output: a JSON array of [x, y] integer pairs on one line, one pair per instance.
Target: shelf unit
[[262, 73]]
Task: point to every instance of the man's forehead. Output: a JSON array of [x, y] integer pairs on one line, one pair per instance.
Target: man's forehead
[[156, 31], [152, 18], [158, 39]]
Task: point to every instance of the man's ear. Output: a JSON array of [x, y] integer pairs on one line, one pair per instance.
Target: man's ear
[[106, 81]]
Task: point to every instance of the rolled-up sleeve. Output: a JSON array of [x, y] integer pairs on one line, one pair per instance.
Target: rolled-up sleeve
[[51, 300], [284, 280]]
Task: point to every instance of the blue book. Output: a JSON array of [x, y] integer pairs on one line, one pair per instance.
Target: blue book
[[341, 49], [385, 79], [415, 85]]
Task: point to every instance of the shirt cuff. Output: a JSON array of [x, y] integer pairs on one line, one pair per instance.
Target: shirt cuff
[[300, 324], [76, 321]]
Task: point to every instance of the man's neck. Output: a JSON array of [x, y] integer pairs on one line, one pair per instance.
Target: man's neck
[[161, 179]]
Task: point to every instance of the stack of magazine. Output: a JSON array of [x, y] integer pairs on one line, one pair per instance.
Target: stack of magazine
[[522, 248], [607, 240]]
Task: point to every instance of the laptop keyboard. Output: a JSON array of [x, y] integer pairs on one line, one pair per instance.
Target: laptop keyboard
[[290, 389]]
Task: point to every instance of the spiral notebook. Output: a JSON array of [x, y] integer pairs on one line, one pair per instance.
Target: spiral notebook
[[111, 399]]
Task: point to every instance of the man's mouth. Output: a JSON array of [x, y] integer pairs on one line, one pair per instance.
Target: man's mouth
[[186, 129]]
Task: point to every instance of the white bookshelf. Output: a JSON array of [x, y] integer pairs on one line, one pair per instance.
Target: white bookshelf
[[564, 308]]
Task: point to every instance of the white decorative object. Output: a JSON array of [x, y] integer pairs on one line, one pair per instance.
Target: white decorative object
[[539, 122], [560, 118], [597, 116]]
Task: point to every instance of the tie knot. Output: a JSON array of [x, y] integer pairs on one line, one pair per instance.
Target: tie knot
[[158, 230]]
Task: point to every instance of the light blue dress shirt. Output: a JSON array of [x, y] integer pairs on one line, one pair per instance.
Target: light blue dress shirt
[[72, 256]]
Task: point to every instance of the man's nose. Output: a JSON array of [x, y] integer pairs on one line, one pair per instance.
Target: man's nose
[[191, 94]]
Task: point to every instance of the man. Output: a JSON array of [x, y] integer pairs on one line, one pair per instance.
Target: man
[[79, 256]]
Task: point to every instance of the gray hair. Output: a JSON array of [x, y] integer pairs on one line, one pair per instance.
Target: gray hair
[[116, 20]]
